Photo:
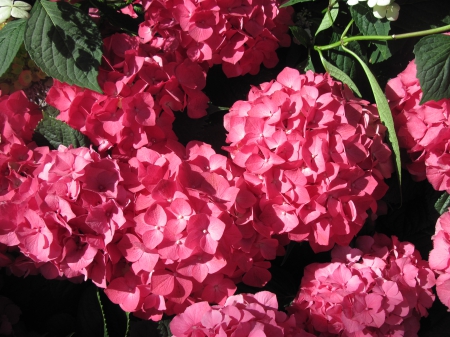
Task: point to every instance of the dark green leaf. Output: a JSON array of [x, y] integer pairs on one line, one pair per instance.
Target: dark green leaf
[[443, 203], [367, 23], [433, 66], [306, 65], [382, 53], [384, 111], [64, 42], [329, 17], [57, 132], [164, 328], [11, 38], [293, 2], [340, 76], [345, 62], [301, 36]]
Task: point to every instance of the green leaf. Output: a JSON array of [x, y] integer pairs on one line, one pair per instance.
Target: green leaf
[[382, 53], [345, 62], [370, 25], [443, 203], [11, 38], [301, 36], [293, 2], [164, 328], [329, 18], [58, 133], [433, 66], [306, 65], [64, 42], [340, 76], [367, 23], [384, 111]]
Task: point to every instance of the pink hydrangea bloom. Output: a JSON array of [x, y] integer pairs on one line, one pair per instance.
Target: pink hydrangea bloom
[[422, 129], [440, 258], [313, 155], [381, 287], [241, 315]]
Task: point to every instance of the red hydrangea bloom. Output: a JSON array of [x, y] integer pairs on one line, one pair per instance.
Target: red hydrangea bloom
[[245, 315], [423, 130], [381, 287], [440, 258], [313, 155]]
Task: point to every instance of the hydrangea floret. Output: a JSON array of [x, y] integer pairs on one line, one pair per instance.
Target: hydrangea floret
[[380, 288]]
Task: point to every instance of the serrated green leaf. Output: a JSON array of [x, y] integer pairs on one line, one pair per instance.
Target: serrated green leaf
[[11, 38], [433, 66], [340, 76], [443, 203], [328, 18], [293, 2], [64, 42], [384, 111], [367, 23], [301, 36], [58, 133]]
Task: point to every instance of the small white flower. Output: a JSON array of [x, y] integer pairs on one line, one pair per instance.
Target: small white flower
[[353, 2], [16, 9], [390, 12], [373, 3]]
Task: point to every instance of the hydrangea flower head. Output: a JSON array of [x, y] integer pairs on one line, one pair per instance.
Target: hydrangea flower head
[[380, 285], [313, 155], [422, 129]]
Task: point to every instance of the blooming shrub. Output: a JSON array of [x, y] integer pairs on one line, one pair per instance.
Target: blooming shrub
[[381, 287], [422, 129], [440, 258], [241, 315], [313, 155]]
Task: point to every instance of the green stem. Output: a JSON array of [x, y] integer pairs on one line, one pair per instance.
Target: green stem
[[344, 40]]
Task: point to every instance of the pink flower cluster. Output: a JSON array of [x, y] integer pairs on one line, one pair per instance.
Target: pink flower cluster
[[313, 155], [239, 34], [159, 229], [243, 315], [423, 130], [440, 258], [380, 288]]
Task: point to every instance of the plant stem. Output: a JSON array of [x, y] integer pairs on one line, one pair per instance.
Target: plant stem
[[344, 40]]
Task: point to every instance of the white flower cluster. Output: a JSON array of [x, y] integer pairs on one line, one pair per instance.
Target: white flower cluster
[[15, 9], [381, 8]]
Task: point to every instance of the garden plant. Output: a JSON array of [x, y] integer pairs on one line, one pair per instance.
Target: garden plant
[[242, 168]]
